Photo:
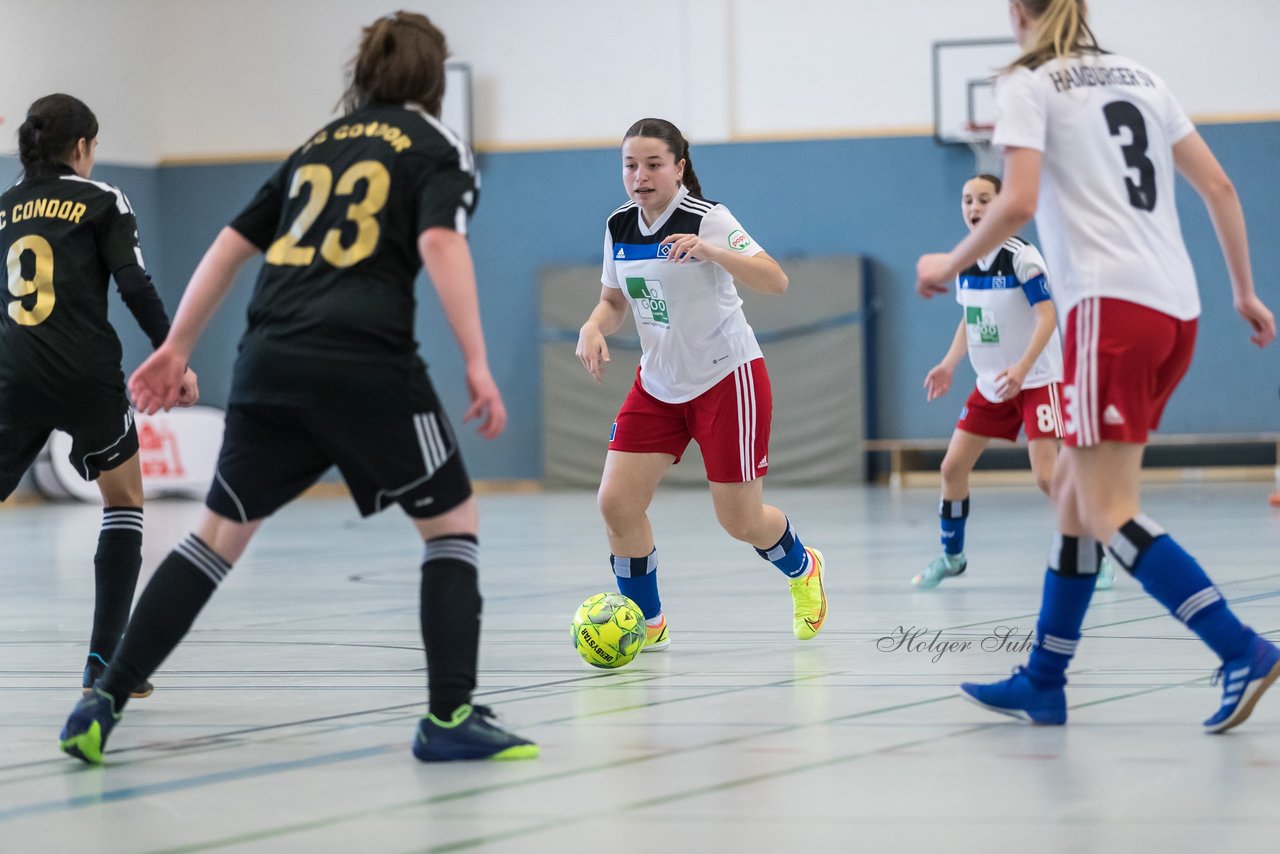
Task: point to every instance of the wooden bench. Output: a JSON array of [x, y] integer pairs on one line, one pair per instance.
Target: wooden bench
[[907, 456]]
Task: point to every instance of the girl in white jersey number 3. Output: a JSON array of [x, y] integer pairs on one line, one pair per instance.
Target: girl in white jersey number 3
[[1091, 141], [673, 257]]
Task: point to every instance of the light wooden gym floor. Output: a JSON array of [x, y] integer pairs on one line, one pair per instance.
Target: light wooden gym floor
[[284, 721]]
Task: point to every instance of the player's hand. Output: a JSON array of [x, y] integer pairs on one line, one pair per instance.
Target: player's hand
[[486, 403], [592, 350], [938, 381], [1260, 318], [685, 247], [1009, 382], [157, 383], [189, 393], [933, 272]]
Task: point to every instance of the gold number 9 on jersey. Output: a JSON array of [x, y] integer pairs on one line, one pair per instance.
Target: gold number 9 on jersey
[[40, 283], [287, 251]]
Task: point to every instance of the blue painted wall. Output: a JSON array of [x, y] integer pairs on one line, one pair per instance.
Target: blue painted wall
[[887, 199]]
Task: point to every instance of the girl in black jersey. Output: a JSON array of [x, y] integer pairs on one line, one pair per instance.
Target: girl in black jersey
[[63, 237], [328, 374]]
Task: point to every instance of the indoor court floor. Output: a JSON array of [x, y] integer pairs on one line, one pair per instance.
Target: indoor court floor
[[283, 723]]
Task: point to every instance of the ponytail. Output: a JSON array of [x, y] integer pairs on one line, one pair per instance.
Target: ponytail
[[400, 59], [1061, 30], [676, 144], [53, 127]]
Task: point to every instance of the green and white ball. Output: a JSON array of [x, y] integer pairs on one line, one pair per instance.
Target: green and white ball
[[608, 630]]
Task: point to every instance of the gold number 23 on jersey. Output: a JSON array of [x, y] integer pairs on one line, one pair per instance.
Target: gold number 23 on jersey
[[287, 249], [40, 283]]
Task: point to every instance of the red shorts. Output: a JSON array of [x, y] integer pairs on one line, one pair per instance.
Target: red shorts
[[1122, 362], [1035, 409], [729, 421]]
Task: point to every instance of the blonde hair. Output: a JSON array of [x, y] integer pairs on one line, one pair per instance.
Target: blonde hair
[[1061, 30]]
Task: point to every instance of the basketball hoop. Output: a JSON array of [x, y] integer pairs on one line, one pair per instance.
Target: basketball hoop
[[978, 137]]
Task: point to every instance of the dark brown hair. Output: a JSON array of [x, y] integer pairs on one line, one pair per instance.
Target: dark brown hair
[[676, 144], [54, 124], [1061, 30], [989, 178], [400, 59]]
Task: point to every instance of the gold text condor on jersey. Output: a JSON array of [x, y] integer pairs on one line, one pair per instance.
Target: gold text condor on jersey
[[935, 643]]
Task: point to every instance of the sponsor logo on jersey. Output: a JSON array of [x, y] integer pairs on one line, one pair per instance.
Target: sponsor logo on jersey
[[621, 253], [650, 306], [738, 239], [981, 325]]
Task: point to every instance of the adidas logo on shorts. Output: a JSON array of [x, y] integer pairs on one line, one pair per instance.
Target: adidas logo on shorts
[[1112, 416]]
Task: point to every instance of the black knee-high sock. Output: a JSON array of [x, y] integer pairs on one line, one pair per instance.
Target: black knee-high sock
[[115, 573], [181, 586], [450, 618]]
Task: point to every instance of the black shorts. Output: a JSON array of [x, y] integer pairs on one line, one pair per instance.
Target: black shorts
[[272, 452], [97, 416]]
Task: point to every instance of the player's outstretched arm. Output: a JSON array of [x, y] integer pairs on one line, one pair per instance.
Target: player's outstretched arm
[[164, 379], [1011, 209], [447, 257], [1192, 157], [606, 317]]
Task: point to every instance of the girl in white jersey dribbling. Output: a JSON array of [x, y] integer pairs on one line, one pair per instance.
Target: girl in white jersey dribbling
[[1091, 141], [673, 257], [1009, 330]]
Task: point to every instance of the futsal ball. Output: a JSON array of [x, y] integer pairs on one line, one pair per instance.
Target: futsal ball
[[608, 630]]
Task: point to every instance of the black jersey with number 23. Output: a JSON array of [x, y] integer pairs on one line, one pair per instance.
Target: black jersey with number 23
[[339, 224]]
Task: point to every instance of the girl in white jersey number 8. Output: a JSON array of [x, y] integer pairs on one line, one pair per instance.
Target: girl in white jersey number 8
[[1090, 143], [673, 257], [1009, 330]]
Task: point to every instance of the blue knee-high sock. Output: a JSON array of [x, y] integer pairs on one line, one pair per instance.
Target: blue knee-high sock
[[638, 581], [1177, 582], [1068, 587], [951, 518], [787, 554]]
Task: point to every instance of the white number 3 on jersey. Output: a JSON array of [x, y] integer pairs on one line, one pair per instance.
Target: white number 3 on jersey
[[1071, 411]]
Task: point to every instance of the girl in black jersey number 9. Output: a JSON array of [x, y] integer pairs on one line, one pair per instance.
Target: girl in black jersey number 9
[[64, 237], [328, 374], [1091, 141], [673, 257]]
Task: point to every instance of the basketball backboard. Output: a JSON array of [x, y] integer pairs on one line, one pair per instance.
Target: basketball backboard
[[964, 73]]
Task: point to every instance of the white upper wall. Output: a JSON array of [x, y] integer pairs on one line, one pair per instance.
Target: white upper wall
[[100, 52], [210, 78]]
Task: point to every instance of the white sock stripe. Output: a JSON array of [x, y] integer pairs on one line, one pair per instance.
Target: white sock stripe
[[1062, 646], [1151, 526], [1055, 552], [123, 526], [1197, 602], [199, 546], [124, 511], [452, 549], [216, 569]]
